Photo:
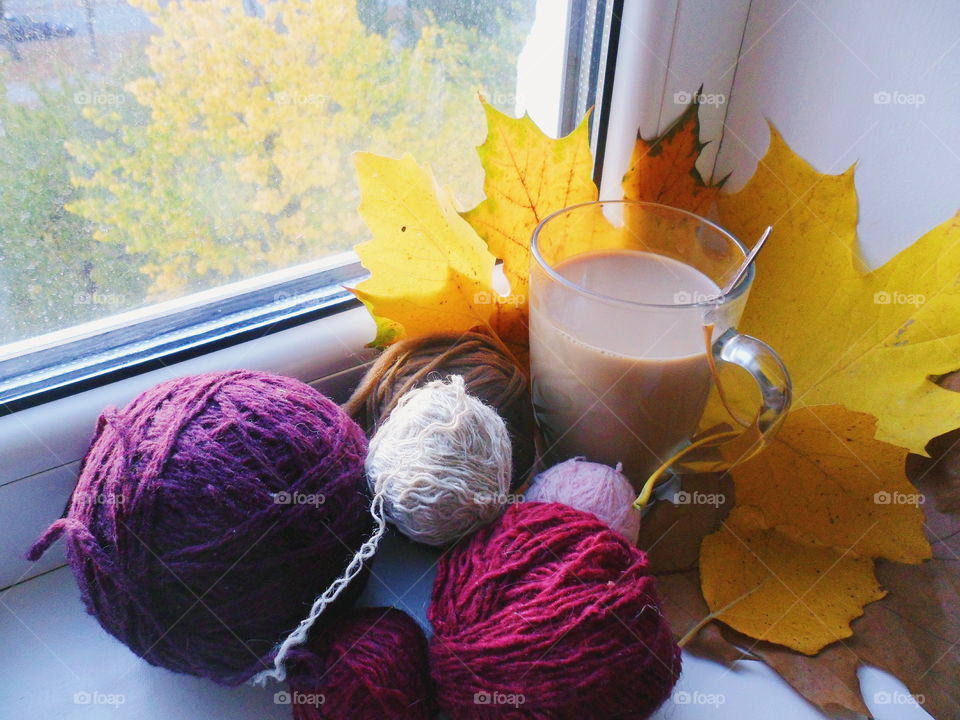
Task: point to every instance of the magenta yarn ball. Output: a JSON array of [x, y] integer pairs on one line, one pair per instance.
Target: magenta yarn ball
[[591, 487], [547, 614], [208, 515], [375, 668]]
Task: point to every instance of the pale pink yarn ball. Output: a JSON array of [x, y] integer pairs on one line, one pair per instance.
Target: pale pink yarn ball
[[591, 487]]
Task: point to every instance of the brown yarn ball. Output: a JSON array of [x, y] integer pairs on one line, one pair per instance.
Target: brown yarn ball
[[488, 373]]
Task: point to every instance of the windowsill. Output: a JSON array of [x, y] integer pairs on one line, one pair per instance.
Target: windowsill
[[56, 650]]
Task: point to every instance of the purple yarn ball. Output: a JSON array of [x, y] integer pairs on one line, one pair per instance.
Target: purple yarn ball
[[209, 513]]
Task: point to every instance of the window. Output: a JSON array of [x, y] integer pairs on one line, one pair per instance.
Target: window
[[165, 165]]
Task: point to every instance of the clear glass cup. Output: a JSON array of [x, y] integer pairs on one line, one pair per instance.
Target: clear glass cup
[[628, 332]]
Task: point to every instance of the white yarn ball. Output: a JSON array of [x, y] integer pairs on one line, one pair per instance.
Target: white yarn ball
[[441, 462]]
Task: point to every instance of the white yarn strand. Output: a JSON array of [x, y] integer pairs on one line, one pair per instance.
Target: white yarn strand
[[322, 602], [439, 467]]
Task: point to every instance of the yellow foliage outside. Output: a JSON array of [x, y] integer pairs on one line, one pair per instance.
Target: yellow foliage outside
[[239, 159]]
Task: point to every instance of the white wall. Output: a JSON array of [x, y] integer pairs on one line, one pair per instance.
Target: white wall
[[813, 67], [668, 48]]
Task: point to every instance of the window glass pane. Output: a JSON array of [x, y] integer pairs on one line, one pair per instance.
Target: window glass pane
[[156, 148]]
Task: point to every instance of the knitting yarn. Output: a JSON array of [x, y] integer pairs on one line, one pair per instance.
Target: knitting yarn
[[375, 668], [548, 614], [488, 372], [593, 488], [441, 463], [209, 513]]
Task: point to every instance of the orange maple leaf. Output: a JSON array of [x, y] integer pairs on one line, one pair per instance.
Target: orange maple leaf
[[664, 170]]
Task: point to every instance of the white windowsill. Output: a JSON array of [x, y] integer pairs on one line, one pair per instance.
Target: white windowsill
[[55, 650]]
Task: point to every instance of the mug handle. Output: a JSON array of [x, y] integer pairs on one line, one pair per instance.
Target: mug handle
[[715, 450]]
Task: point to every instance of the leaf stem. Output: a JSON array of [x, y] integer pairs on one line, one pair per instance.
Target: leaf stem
[[641, 502], [692, 632]]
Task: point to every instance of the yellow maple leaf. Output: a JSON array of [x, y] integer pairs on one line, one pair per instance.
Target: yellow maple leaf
[[814, 509], [429, 271], [528, 176], [867, 340], [826, 476], [799, 594], [830, 489], [664, 170]]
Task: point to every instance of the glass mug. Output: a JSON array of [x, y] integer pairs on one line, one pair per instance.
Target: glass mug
[[628, 333]]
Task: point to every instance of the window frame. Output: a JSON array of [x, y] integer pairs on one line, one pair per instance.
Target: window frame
[[201, 326]]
